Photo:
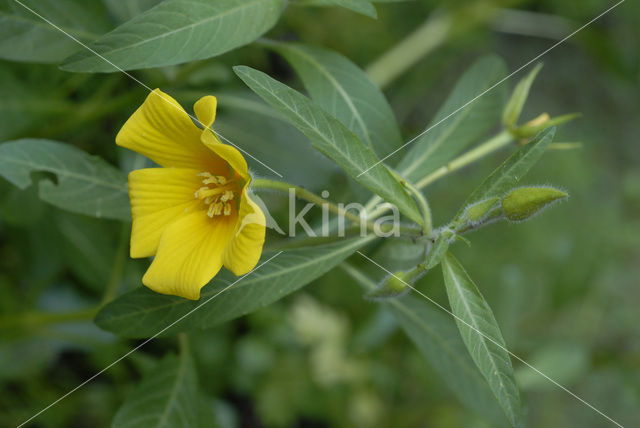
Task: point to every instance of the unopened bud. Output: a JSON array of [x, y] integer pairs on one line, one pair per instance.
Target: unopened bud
[[542, 122], [523, 202], [480, 211], [394, 285]]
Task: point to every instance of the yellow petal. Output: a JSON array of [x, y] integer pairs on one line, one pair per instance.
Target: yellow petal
[[205, 109], [159, 196], [245, 247], [162, 131], [226, 152], [189, 255]]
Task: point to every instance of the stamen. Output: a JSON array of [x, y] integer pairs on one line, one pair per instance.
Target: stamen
[[227, 196], [216, 193]]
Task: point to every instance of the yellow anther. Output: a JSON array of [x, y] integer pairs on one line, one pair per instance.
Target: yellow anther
[[216, 194], [210, 212], [227, 196]]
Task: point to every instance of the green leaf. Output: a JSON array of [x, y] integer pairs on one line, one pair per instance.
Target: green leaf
[[166, 397], [438, 249], [143, 313], [85, 184], [451, 131], [345, 92], [363, 7], [24, 36], [436, 336], [332, 138], [177, 31], [514, 106], [482, 337], [507, 175], [272, 139]]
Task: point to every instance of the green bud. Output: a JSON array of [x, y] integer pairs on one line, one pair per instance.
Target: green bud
[[542, 122], [514, 106], [523, 202], [479, 211], [393, 286]]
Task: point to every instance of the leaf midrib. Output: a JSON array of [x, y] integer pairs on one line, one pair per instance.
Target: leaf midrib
[[338, 86], [374, 179], [242, 284], [177, 30], [482, 338]]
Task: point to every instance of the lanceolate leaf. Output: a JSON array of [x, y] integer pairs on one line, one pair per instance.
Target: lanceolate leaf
[[332, 138], [272, 139], [507, 175], [438, 249], [24, 36], [346, 92], [143, 313], [166, 398], [436, 336], [177, 31], [482, 336], [449, 132], [85, 184]]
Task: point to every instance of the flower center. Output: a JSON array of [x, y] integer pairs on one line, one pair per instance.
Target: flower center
[[217, 193]]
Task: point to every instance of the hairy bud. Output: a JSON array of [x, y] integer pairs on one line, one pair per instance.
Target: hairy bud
[[523, 202], [480, 211], [393, 286]]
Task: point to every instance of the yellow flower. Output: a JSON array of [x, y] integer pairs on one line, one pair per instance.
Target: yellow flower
[[194, 214]]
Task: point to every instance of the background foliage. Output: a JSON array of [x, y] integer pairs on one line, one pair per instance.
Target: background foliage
[[563, 288]]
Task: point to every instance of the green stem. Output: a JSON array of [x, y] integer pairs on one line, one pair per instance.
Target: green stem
[[495, 143], [423, 204], [410, 50], [302, 193]]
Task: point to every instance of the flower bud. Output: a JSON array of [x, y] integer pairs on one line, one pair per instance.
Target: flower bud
[[540, 123], [480, 211], [523, 202], [394, 285]]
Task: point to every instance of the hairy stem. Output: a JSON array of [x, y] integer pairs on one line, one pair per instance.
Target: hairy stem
[[302, 193], [493, 144]]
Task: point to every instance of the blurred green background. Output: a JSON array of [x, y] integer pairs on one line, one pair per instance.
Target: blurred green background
[[564, 287]]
